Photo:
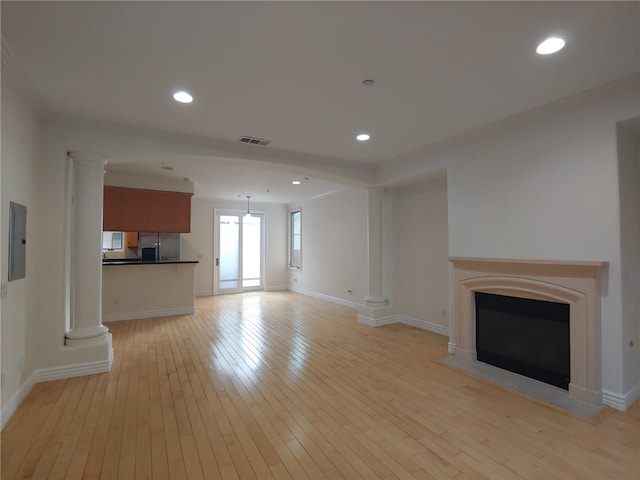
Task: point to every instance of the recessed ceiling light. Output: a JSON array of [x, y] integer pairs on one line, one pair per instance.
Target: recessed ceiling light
[[166, 167], [368, 83], [363, 137], [296, 182], [550, 45], [182, 97]]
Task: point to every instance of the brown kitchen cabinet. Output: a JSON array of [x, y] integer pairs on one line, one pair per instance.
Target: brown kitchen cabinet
[[139, 210], [132, 239]]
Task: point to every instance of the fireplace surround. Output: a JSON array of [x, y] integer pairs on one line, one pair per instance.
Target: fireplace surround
[[572, 282]]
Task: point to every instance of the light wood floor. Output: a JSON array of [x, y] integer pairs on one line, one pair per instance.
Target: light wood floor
[[278, 385]]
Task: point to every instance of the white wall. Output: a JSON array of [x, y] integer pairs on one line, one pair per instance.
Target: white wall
[[147, 183], [20, 150], [548, 190], [629, 168], [543, 186], [198, 245], [334, 247], [420, 251]]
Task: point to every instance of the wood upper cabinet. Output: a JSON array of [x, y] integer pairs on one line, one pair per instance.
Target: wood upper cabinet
[[138, 210], [132, 239]]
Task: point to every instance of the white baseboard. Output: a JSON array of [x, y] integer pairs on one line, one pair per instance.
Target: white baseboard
[[619, 401], [277, 288], [167, 312], [47, 374], [69, 371], [451, 347], [14, 402], [328, 298], [377, 322], [406, 320], [423, 324]]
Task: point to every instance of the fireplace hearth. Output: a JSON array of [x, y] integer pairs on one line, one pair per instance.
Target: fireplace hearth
[[575, 284]]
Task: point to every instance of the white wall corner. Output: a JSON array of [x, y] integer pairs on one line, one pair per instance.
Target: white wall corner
[[14, 402], [623, 401]]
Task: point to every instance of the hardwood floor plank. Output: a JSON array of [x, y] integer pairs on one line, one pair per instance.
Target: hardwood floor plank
[[279, 385]]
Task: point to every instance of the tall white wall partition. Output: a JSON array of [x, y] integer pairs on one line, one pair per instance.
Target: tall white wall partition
[[334, 248], [545, 186], [19, 183]]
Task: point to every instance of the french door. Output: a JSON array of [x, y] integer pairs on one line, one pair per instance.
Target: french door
[[239, 252]]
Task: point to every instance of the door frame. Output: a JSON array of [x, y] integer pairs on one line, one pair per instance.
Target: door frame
[[216, 250]]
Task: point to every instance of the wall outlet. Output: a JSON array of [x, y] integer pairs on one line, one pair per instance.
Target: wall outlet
[[4, 290]]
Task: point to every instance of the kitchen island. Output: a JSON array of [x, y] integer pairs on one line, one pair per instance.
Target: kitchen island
[[142, 289]]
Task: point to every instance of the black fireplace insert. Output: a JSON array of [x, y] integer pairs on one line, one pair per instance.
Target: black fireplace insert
[[525, 336]]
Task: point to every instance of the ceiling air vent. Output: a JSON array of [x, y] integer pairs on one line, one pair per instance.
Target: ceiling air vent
[[254, 141]]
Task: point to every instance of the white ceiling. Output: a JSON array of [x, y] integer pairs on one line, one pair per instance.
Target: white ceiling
[[291, 72]]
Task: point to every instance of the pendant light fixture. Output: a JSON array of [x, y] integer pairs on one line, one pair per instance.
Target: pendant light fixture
[[248, 214]]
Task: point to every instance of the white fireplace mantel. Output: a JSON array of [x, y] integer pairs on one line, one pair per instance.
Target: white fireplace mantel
[[574, 282]]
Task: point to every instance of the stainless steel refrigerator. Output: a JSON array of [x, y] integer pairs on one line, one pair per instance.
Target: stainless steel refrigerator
[[159, 247]]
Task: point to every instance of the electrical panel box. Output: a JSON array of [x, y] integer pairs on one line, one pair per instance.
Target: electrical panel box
[[17, 241]]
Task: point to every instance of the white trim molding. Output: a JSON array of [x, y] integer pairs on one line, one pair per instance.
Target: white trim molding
[[167, 312], [276, 288], [405, 320], [328, 298], [377, 322], [70, 371], [424, 325], [14, 402], [623, 401], [48, 374]]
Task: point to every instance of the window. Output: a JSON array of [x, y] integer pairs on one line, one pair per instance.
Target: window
[[295, 239], [112, 241]]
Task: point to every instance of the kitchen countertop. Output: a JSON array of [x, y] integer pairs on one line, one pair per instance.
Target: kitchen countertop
[[125, 261]]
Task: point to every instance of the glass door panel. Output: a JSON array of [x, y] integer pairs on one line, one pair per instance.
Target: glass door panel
[[239, 252], [228, 259], [252, 252]]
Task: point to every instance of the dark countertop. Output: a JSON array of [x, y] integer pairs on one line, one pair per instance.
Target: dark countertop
[[124, 261]]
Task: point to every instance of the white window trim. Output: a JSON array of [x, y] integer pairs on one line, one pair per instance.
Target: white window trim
[[290, 238]]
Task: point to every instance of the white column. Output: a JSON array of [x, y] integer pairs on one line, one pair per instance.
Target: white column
[[86, 252], [375, 297]]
